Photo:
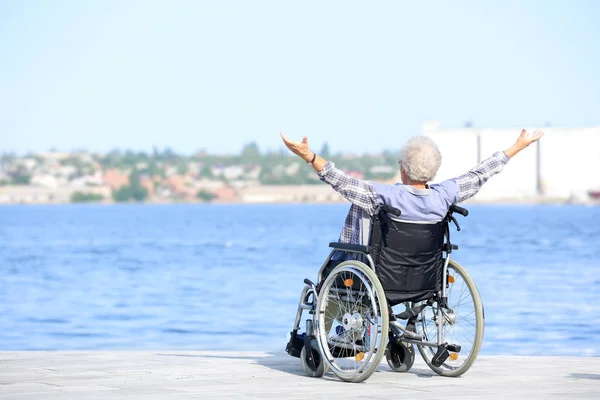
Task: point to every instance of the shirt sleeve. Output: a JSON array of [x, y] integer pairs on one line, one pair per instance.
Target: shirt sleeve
[[356, 191], [471, 182]]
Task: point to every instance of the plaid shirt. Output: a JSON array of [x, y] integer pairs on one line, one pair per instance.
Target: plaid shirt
[[363, 197]]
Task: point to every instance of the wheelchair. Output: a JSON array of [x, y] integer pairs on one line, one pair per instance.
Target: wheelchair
[[352, 324]]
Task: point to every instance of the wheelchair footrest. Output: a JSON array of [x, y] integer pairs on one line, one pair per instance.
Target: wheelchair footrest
[[441, 355], [295, 345], [455, 348]]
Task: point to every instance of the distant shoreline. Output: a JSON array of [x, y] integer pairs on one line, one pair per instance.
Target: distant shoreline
[[468, 203]]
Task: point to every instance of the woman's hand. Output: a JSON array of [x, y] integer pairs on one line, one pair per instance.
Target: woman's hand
[[298, 148], [524, 140]]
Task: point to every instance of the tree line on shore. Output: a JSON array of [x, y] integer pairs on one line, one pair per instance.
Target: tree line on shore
[[270, 167]]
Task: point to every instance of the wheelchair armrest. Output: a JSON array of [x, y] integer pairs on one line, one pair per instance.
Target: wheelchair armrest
[[350, 247]]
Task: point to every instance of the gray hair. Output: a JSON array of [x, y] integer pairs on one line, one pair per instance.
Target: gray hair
[[420, 158]]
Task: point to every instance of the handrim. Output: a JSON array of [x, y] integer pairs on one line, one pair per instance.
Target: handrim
[[469, 337], [356, 348]]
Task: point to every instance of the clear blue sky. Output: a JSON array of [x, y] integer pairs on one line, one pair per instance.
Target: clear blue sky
[[217, 74]]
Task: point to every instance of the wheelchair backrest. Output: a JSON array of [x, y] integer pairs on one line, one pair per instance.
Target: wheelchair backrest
[[407, 256]]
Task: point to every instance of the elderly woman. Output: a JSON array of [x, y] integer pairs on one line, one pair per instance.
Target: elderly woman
[[418, 201]]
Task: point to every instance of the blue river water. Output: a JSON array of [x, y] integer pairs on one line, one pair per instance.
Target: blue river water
[[229, 277]]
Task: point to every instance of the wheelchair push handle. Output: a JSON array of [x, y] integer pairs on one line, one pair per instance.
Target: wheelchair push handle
[[390, 210], [457, 209]]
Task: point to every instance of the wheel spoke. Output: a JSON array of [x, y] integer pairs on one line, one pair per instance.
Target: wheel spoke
[[463, 323], [355, 351]]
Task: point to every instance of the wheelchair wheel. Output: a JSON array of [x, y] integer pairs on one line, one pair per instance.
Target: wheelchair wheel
[[353, 322], [400, 357], [315, 370], [463, 323]]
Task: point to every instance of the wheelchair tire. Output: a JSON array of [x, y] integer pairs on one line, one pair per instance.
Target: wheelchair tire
[[400, 357], [319, 369], [469, 341], [355, 348]]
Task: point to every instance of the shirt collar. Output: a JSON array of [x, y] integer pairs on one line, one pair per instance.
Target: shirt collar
[[415, 191]]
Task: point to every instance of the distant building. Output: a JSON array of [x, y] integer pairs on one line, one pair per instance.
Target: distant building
[[210, 185], [47, 180], [225, 194], [28, 194], [233, 172], [66, 171], [52, 156], [290, 194], [29, 163], [563, 165], [194, 168], [94, 179], [252, 171], [115, 179], [292, 169], [180, 187], [176, 183], [19, 194], [382, 169]]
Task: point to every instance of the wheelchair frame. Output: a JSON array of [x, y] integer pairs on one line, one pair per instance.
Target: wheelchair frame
[[395, 327]]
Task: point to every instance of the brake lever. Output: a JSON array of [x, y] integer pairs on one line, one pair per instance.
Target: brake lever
[[455, 223]]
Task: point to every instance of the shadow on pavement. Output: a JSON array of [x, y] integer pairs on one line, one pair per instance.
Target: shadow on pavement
[[585, 376], [285, 363]]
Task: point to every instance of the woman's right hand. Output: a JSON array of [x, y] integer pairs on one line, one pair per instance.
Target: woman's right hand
[[298, 148]]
